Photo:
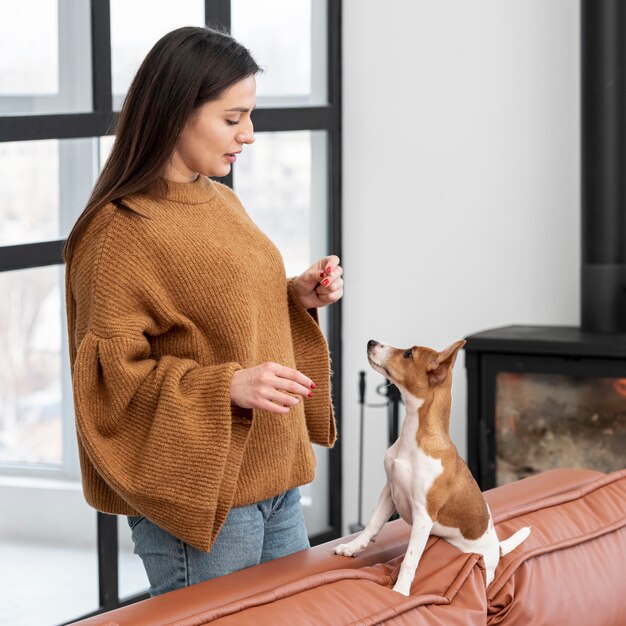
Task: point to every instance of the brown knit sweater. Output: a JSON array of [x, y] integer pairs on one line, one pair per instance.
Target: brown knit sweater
[[162, 310]]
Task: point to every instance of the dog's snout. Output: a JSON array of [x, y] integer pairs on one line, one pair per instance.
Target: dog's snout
[[371, 343]]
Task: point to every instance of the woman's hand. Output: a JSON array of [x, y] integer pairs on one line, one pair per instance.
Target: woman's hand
[[321, 284], [268, 387]]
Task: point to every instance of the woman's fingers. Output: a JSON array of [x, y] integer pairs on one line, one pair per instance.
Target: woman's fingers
[[331, 282], [325, 267], [278, 402], [331, 262], [334, 286], [336, 273], [294, 387], [333, 296], [284, 399], [332, 291], [267, 405], [271, 387], [328, 278], [293, 380]]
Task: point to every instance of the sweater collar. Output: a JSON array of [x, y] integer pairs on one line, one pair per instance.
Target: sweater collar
[[197, 192]]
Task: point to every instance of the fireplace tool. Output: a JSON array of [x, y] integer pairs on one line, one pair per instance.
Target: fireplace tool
[[393, 400]]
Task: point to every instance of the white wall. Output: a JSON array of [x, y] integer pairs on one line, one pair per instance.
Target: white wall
[[460, 189]]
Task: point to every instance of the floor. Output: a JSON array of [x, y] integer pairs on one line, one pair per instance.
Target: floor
[[43, 585]]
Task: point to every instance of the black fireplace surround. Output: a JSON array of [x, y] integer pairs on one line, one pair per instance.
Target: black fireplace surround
[[531, 350], [598, 347]]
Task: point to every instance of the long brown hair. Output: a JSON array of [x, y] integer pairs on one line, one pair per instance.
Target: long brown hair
[[184, 69]]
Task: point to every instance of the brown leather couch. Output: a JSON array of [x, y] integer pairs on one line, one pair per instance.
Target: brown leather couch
[[570, 571]]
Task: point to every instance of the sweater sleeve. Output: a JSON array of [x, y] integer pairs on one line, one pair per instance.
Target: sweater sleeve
[[313, 360], [159, 430]]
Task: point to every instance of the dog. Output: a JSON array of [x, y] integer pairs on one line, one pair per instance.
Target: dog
[[428, 483]]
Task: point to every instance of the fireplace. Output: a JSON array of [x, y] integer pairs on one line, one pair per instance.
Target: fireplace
[[541, 397]]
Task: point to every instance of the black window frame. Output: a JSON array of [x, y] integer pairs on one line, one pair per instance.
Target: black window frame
[[100, 122]]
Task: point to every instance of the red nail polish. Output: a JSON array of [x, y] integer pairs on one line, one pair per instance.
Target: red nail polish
[[310, 394], [329, 269], [312, 385], [325, 282], [322, 274]]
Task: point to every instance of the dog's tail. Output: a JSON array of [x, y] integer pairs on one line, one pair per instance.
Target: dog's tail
[[514, 540]]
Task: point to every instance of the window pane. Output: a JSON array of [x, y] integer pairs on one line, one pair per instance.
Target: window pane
[[49, 69], [106, 145], [30, 369], [136, 26], [60, 175], [26, 68], [287, 38], [315, 504], [281, 180], [29, 212]]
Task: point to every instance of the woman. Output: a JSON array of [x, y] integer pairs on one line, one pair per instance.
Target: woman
[[200, 373]]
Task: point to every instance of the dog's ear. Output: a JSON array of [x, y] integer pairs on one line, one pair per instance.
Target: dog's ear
[[439, 367]]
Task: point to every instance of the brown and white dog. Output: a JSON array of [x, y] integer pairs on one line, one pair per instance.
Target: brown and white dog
[[428, 483]]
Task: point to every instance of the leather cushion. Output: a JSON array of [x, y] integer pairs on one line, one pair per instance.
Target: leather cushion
[[572, 567]]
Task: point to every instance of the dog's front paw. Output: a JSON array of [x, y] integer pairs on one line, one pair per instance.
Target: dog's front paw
[[403, 587], [354, 548]]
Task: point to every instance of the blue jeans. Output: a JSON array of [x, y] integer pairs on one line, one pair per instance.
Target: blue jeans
[[250, 535]]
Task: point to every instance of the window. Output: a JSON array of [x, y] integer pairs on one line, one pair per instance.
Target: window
[[287, 38], [30, 372], [281, 181], [135, 28], [60, 88], [53, 76]]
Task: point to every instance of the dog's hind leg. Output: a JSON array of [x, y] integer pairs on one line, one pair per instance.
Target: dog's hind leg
[[382, 513], [420, 530]]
